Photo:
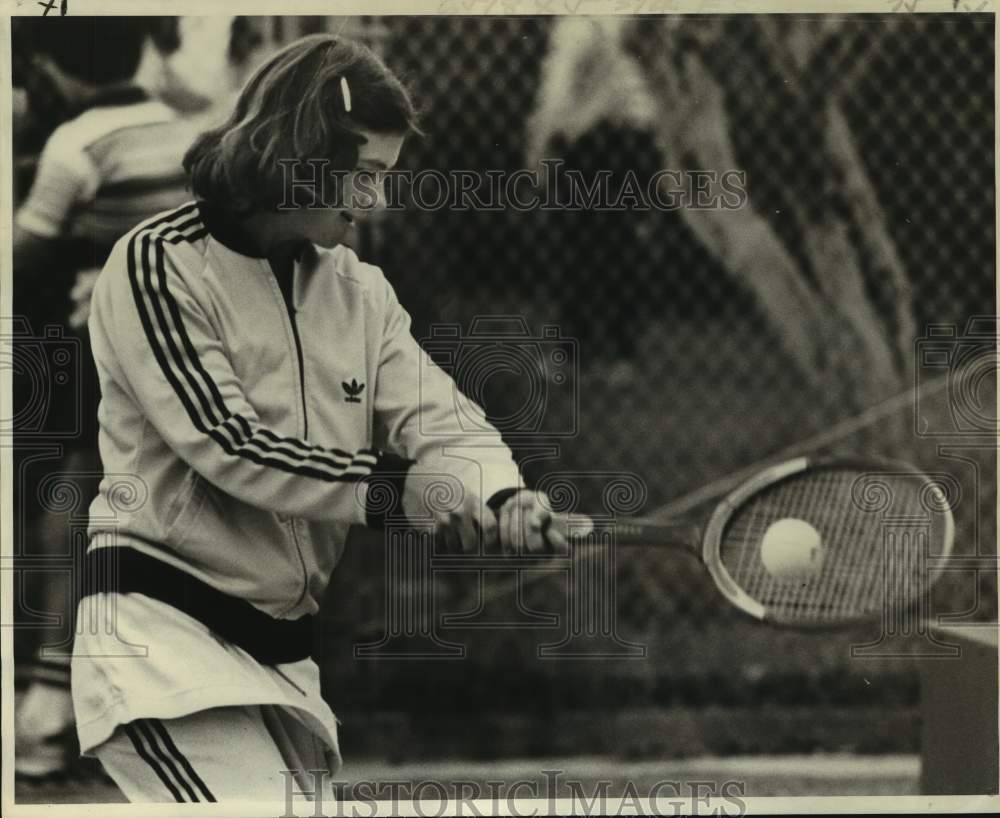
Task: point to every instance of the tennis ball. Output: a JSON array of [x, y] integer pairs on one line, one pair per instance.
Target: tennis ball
[[792, 550]]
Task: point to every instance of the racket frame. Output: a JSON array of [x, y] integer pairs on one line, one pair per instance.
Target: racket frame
[[720, 517]]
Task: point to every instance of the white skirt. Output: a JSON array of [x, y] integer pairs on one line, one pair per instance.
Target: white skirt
[[135, 657]]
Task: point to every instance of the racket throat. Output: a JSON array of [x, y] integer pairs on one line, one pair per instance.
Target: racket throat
[[667, 534]]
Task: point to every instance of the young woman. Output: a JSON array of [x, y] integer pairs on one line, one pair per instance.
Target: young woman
[[261, 392]]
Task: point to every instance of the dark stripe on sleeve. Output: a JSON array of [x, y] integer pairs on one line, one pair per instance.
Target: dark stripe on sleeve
[[298, 444], [161, 320], [147, 325], [286, 447], [175, 314], [211, 425], [314, 453]]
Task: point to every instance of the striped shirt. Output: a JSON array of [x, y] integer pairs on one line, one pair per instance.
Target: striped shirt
[[110, 168]]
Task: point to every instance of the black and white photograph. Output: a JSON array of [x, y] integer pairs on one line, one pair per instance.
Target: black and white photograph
[[498, 407]]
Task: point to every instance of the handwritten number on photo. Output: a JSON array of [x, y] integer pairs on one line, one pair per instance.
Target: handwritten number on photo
[[48, 5]]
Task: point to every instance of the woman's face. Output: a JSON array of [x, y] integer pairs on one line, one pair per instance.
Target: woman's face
[[349, 199]]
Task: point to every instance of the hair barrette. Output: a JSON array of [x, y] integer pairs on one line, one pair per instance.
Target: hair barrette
[[345, 92]]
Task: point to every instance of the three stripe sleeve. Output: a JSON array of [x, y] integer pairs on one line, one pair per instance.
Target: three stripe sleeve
[[178, 371]]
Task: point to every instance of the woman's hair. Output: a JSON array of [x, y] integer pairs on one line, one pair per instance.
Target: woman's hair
[[309, 101]]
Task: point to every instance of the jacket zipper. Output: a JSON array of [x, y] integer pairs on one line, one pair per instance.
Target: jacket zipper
[[288, 294], [302, 371], [287, 287]]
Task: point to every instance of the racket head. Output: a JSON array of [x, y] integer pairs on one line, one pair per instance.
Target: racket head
[[884, 530]]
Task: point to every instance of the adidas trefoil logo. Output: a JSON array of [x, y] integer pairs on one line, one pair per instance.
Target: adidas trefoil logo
[[352, 390]]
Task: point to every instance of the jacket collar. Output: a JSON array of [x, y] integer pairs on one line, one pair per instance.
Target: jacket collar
[[227, 229]]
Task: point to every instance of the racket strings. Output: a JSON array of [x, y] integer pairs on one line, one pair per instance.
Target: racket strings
[[869, 556], [811, 506]]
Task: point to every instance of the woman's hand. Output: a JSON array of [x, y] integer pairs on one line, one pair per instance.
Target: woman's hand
[[527, 525], [459, 519], [463, 523], [462, 528]]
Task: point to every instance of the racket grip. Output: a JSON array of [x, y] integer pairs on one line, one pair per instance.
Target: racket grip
[[636, 531]]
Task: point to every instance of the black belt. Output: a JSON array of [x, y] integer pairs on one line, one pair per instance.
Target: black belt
[[126, 571]]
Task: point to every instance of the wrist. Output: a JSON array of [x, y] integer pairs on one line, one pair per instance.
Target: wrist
[[384, 486], [498, 498]]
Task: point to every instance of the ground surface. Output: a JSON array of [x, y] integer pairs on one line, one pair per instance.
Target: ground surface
[[761, 776]]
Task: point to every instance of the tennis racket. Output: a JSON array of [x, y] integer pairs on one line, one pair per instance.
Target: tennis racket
[[813, 542]]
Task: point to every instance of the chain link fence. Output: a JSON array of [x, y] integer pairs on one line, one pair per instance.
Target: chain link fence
[[707, 341]]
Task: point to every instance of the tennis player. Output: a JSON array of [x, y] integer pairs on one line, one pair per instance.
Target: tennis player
[[262, 386]]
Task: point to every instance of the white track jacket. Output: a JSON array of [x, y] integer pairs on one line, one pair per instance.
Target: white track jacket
[[239, 412]]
